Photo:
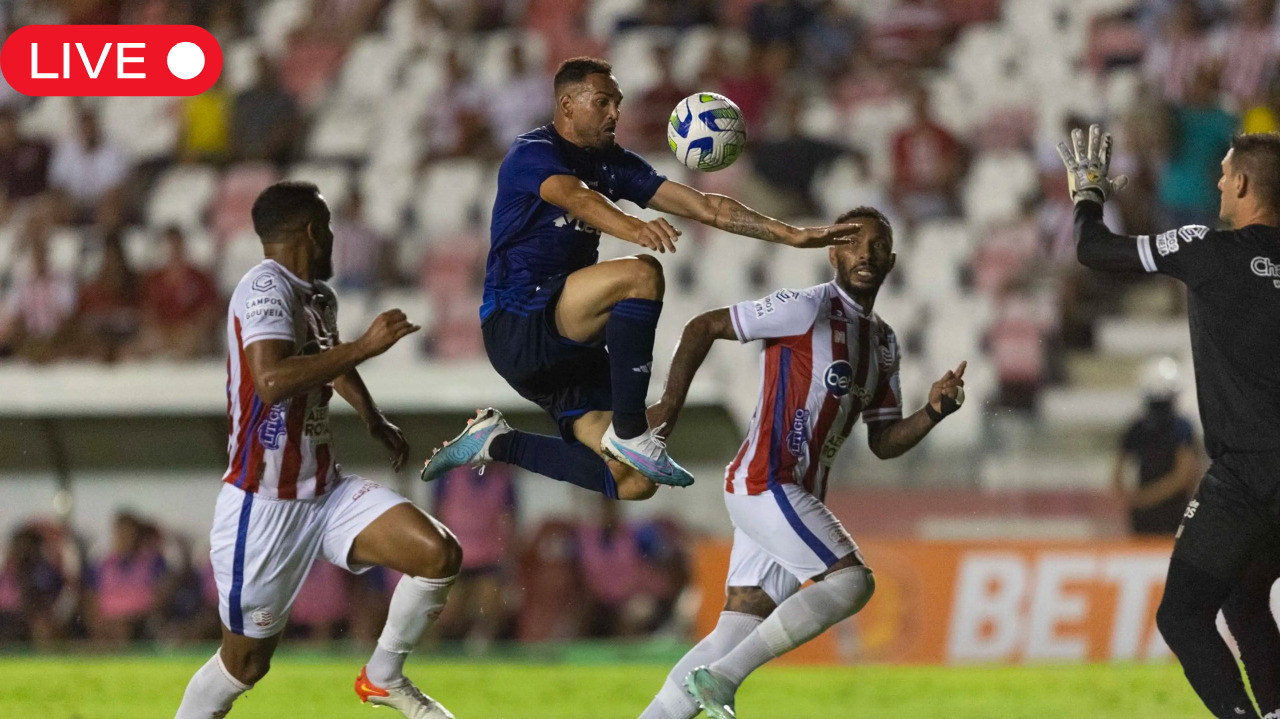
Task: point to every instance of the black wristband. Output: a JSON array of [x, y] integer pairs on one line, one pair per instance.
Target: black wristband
[[934, 415]]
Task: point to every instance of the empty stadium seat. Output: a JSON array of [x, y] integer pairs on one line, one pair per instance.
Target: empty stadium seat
[[370, 69], [449, 196], [182, 196], [333, 179]]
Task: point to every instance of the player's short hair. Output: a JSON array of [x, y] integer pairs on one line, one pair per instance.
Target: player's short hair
[[871, 214], [1257, 154], [576, 69], [285, 208]]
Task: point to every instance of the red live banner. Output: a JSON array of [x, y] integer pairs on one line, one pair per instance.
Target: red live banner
[[111, 60]]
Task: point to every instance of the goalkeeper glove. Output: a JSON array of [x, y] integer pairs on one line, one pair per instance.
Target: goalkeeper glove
[[1087, 166]]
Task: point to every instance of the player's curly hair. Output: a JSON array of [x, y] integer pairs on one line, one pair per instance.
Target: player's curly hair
[[1257, 154], [875, 216], [576, 69], [287, 207]]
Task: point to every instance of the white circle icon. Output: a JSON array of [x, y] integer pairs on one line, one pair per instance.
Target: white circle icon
[[186, 60]]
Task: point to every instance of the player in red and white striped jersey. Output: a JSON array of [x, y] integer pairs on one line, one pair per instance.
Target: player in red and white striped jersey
[[284, 501], [828, 359]]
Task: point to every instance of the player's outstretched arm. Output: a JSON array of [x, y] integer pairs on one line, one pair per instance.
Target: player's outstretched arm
[[699, 334], [571, 195], [726, 213], [351, 387], [894, 438], [278, 374]]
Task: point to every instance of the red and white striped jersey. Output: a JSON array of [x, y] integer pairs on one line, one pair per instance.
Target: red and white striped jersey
[[280, 451], [826, 361]]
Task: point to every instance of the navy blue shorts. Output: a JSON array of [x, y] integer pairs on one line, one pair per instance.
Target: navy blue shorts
[[563, 377]]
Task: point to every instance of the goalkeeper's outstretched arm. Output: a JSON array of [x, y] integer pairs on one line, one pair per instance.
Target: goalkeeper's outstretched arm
[[1101, 249]]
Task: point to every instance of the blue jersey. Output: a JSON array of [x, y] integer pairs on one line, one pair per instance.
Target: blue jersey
[[532, 240]]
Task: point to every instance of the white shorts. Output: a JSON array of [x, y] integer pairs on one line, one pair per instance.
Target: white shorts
[[781, 539], [262, 548]]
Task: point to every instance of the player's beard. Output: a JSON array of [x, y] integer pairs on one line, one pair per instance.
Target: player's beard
[[322, 267]]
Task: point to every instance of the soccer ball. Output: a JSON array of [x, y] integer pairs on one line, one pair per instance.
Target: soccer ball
[[707, 132]]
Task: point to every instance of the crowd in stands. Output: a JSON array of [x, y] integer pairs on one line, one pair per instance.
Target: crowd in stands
[[404, 107], [562, 580]]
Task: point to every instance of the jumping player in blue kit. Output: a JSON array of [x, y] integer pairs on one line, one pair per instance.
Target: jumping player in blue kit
[[550, 309]]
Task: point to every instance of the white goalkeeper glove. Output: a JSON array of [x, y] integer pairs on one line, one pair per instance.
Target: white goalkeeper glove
[[1087, 166]]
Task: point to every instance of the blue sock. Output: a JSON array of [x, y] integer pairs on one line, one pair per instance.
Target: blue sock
[[555, 458], [628, 334]]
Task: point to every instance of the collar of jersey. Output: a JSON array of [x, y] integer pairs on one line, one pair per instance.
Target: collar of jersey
[[844, 296], [293, 279]]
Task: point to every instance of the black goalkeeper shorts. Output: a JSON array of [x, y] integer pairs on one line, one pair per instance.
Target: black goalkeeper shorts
[[1234, 513]]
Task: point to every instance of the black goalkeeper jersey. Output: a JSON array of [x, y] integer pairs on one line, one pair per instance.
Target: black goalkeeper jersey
[[1233, 289]]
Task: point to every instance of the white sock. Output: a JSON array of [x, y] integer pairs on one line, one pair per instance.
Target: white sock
[[415, 604], [211, 691], [803, 616], [673, 701]]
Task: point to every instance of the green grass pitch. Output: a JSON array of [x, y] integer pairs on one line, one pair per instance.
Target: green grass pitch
[[319, 687]]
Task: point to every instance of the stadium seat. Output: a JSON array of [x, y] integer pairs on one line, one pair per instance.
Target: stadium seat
[[238, 189], [632, 57], [370, 69], [240, 253], [49, 117], [344, 129], [142, 249], [66, 252], [448, 196], [182, 196], [386, 191], [333, 179], [277, 20], [998, 185], [603, 15], [144, 127], [240, 64], [308, 66]]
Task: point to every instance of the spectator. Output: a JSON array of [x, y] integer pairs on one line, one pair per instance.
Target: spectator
[[1181, 51], [363, 258], [1200, 133], [777, 21], [647, 119], [1264, 116], [928, 161], [127, 582], [677, 14], [751, 84], [1164, 445], [204, 132], [911, 32], [1248, 52], [616, 560], [109, 314], [520, 103], [185, 612], [86, 169], [265, 119], [30, 586], [37, 313], [789, 160], [455, 123], [24, 163], [481, 511], [829, 40], [321, 606], [181, 308]]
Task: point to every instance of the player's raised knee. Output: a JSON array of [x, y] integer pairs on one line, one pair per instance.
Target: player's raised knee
[[644, 277], [439, 556]]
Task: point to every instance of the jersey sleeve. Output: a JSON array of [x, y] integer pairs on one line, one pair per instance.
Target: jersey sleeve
[[530, 164], [1185, 253], [886, 404], [266, 312], [784, 313], [638, 181]]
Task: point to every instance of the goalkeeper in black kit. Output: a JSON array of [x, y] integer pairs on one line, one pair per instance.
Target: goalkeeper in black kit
[[1227, 553]]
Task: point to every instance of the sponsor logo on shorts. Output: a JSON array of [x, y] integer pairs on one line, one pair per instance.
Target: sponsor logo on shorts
[[1264, 267], [365, 488], [273, 429], [262, 618], [798, 437], [839, 537]]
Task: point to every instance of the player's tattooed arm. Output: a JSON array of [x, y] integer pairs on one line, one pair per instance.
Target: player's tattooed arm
[[894, 438], [726, 213], [695, 342], [279, 374]]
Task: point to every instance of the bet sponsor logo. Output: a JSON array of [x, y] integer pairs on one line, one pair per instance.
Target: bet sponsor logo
[[838, 377]]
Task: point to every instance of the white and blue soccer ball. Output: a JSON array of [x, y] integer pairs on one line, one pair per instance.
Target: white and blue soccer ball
[[707, 132]]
